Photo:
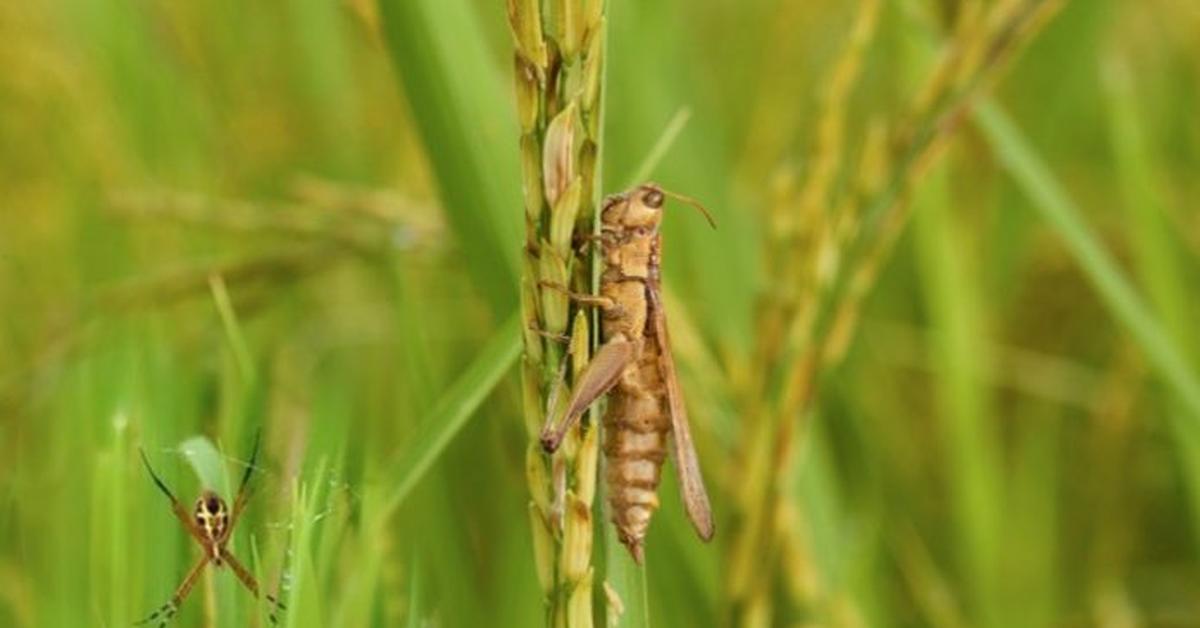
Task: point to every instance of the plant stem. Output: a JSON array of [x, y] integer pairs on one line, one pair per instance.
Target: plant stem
[[559, 79]]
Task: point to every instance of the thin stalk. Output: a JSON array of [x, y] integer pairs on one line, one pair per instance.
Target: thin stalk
[[558, 66]]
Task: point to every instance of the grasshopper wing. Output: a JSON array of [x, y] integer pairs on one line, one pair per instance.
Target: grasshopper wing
[[600, 375], [691, 484]]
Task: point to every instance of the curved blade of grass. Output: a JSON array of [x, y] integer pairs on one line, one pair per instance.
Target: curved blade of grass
[[452, 410], [1059, 210], [206, 461]]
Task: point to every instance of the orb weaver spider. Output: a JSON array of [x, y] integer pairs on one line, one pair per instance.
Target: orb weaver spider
[[211, 524]]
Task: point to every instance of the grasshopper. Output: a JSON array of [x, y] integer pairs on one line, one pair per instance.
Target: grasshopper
[[634, 365]]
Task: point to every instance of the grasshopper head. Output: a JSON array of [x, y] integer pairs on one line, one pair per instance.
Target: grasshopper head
[[641, 207]]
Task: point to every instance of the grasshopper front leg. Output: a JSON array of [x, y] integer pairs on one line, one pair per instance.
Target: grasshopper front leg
[[582, 298], [600, 375], [559, 338]]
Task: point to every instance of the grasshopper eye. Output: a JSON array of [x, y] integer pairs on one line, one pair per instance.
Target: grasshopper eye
[[653, 199]]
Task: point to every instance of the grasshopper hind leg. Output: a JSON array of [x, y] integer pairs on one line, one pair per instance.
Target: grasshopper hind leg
[[600, 375]]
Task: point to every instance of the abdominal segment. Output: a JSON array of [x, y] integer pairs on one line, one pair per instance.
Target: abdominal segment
[[636, 426]]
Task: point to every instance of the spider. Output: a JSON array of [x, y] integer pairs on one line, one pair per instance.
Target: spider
[[211, 523]]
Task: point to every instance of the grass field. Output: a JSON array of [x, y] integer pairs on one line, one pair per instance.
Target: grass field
[[941, 355]]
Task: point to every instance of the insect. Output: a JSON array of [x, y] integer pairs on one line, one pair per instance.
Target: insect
[[211, 524], [634, 364]]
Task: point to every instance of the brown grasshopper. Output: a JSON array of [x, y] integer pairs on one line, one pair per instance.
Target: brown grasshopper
[[634, 363]]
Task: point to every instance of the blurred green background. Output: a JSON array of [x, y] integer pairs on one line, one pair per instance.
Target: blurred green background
[[304, 216]]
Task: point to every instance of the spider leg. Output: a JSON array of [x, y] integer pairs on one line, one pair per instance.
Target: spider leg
[[243, 495], [181, 513], [250, 583], [162, 616]]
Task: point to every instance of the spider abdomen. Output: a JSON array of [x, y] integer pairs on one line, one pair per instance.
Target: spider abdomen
[[212, 517]]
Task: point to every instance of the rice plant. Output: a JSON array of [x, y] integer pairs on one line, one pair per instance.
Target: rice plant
[[939, 356]]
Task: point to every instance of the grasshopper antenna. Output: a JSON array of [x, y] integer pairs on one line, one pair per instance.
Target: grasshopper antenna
[[694, 203]]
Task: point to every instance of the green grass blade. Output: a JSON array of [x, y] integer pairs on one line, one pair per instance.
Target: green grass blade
[[627, 580], [1064, 216], [453, 410], [964, 418], [414, 611], [464, 115], [665, 141], [1155, 248], [233, 329], [206, 461], [1150, 234], [305, 605]]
